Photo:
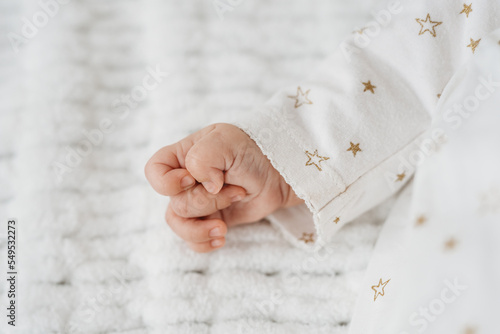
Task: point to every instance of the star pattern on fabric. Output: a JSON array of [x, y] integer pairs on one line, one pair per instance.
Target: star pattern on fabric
[[307, 237], [315, 159], [379, 289], [421, 220], [354, 148], [301, 97], [450, 244], [336, 220], [428, 25], [473, 44], [400, 177], [369, 86], [467, 9]]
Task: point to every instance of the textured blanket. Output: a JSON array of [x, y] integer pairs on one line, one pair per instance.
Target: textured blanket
[[90, 89]]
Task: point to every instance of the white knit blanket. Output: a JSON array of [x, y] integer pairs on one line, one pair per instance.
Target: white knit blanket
[[95, 254]]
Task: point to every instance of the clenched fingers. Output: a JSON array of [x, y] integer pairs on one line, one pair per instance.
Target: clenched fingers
[[198, 202], [195, 230], [165, 173]]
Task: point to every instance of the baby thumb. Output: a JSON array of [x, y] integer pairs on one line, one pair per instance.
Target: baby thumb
[[206, 163]]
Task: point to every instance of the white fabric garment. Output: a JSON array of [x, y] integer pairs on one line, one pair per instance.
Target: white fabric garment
[[436, 266], [344, 138]]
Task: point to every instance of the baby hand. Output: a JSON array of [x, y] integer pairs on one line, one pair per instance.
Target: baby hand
[[216, 177]]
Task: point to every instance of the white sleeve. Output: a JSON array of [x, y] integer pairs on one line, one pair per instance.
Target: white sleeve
[[351, 135]]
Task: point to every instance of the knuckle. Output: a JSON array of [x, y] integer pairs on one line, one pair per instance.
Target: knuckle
[[193, 160], [224, 127]]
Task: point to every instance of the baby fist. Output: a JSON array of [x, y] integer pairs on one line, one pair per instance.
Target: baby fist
[[216, 177]]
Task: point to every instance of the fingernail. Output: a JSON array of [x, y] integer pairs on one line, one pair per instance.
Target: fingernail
[[217, 243], [215, 232], [210, 187], [187, 181], [236, 198]]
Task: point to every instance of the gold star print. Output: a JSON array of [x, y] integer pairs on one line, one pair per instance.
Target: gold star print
[[369, 86], [420, 220], [336, 220], [473, 44], [307, 237], [450, 244], [301, 97], [354, 148], [378, 288], [400, 177], [466, 10], [428, 25], [439, 96], [315, 159]]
